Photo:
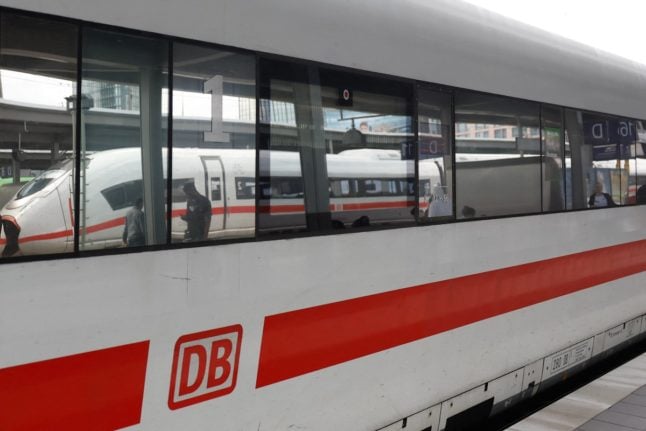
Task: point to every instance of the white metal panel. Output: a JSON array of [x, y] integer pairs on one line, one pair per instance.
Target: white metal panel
[[619, 334], [56, 308], [443, 41], [597, 345], [532, 375], [567, 358]]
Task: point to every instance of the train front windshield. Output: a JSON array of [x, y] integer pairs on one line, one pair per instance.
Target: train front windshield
[[41, 181]]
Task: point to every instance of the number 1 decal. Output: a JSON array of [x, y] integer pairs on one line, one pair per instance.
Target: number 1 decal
[[215, 86]]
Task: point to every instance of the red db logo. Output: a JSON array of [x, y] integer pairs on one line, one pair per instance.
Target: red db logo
[[205, 366]]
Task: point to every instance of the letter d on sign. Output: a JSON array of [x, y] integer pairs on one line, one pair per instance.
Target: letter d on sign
[[198, 352], [205, 366]]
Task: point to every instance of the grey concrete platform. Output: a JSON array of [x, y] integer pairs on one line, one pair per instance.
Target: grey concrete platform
[[614, 402]]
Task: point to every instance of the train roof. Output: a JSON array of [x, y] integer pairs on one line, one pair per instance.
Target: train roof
[[442, 41]]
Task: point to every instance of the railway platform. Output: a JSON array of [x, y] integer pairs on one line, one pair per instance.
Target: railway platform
[[614, 402]]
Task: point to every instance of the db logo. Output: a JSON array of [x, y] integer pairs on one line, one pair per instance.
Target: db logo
[[205, 366]]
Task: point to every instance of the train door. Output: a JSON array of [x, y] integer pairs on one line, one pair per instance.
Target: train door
[[214, 181]]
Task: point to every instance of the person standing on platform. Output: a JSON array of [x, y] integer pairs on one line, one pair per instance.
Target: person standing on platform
[[599, 199], [134, 232], [198, 214]]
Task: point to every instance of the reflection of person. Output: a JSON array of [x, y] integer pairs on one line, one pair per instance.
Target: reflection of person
[[599, 199], [134, 231], [363, 127], [641, 194], [11, 233], [198, 214]]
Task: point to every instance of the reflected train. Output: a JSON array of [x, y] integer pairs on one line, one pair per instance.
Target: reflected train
[[377, 180], [427, 326]]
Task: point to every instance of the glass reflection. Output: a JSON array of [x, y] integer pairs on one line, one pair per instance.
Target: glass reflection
[[37, 95], [435, 161], [214, 168], [553, 165], [124, 135], [599, 150], [286, 134], [498, 163], [368, 140]]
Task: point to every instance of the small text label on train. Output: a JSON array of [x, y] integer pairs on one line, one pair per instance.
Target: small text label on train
[[205, 366]]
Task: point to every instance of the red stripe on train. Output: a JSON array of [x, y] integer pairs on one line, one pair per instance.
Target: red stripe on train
[[302, 341], [99, 390]]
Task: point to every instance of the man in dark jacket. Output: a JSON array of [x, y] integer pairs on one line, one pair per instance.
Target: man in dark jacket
[[134, 232], [198, 214]]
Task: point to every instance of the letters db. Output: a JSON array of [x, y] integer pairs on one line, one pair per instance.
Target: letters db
[[205, 366]]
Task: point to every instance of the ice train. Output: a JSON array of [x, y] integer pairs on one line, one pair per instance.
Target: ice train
[[226, 177], [299, 314]]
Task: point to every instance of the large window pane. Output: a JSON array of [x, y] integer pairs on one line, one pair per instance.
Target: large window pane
[[497, 175], [37, 86], [214, 141], [553, 164], [435, 161], [336, 149], [287, 133], [598, 150], [370, 158], [124, 129]]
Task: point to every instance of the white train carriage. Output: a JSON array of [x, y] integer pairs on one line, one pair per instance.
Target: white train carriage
[[226, 177], [478, 277]]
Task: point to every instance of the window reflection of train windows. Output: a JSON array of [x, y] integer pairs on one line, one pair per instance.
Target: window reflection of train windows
[[245, 188], [123, 195], [39, 80], [177, 194], [216, 192], [214, 99]]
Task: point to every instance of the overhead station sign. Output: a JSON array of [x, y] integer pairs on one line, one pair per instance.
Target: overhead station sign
[[611, 139]]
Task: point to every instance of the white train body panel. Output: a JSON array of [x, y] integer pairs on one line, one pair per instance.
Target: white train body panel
[[162, 295]]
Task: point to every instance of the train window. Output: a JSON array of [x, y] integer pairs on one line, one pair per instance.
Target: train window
[[368, 135], [123, 195], [497, 176], [177, 193], [283, 188], [435, 155], [383, 187], [552, 141], [214, 120], [35, 185], [342, 187], [288, 135], [245, 188], [124, 135], [599, 152], [216, 192], [352, 136], [39, 81]]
